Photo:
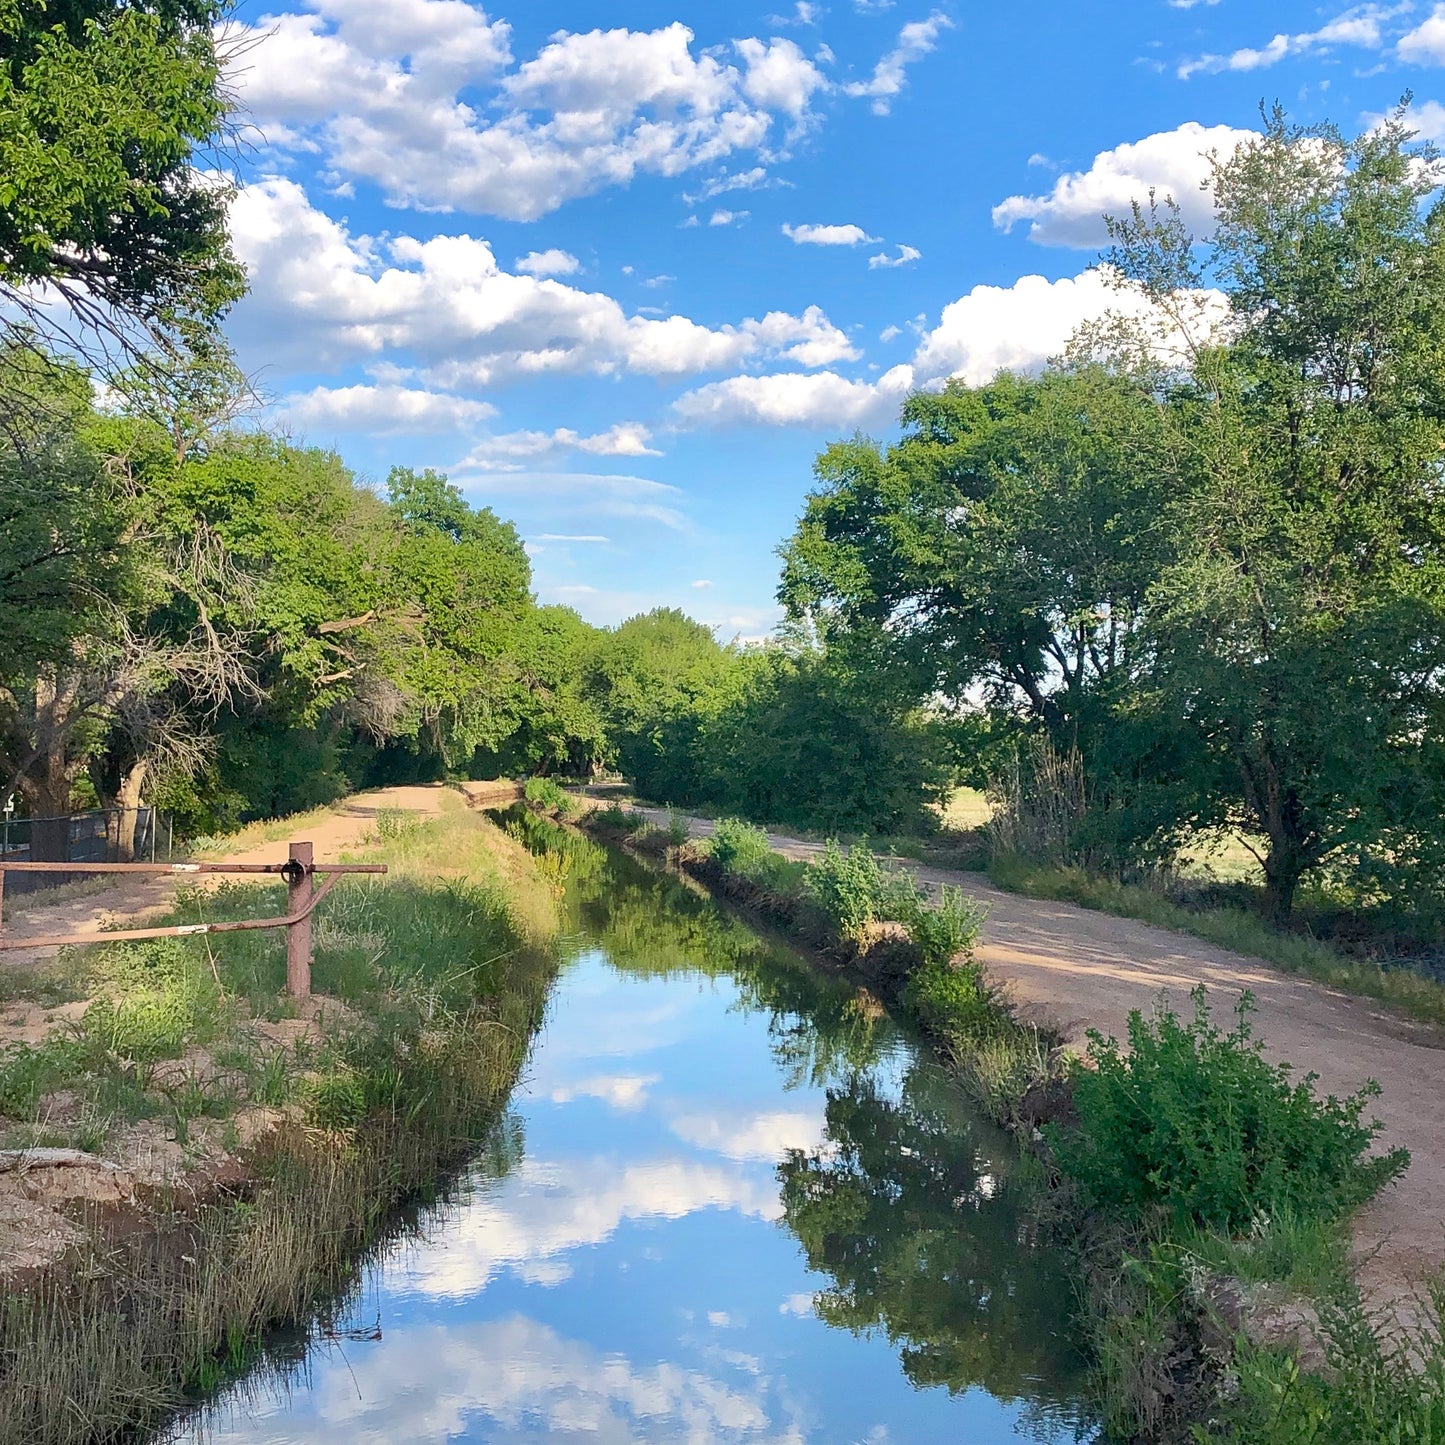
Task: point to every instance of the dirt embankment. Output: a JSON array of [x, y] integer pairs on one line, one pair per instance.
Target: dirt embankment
[[1078, 970]]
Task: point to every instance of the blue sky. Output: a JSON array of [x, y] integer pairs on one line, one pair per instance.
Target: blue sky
[[623, 269]]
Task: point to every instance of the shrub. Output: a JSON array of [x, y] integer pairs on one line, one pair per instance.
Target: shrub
[[547, 795], [1199, 1123], [335, 1101], [29, 1072], [677, 830], [854, 889], [394, 824], [739, 847], [943, 933], [955, 1002], [156, 1000]]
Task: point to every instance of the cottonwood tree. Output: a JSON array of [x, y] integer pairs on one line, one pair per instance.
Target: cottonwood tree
[[111, 233], [1299, 626]]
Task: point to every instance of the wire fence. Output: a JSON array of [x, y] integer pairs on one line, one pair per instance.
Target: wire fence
[[82, 838]]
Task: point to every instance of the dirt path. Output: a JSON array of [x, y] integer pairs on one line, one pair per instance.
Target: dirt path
[[1083, 970]]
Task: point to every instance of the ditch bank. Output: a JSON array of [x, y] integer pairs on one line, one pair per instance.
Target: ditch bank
[[290, 1140]]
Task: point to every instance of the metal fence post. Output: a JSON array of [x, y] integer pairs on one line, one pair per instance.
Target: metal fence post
[[298, 935]]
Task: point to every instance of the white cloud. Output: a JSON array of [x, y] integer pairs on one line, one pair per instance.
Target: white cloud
[[992, 328], [625, 1092], [727, 218], [375, 87], [327, 297], [701, 582], [549, 1210], [829, 235], [1425, 44], [549, 263], [1360, 26], [763, 1136], [507, 451], [1173, 163], [805, 12], [1020, 327], [570, 537], [915, 40], [799, 1305], [516, 1379], [780, 77], [823, 401], [906, 256], [382, 410]]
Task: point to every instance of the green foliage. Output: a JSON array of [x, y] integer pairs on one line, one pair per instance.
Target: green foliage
[[335, 1101], [739, 846], [1199, 1124], [946, 930], [548, 796], [853, 889], [156, 1000], [103, 110], [30, 1071]]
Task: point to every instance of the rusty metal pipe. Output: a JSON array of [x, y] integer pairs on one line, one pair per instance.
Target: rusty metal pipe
[[182, 930], [280, 868]]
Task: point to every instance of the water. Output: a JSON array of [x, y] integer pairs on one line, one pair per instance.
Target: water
[[729, 1205]]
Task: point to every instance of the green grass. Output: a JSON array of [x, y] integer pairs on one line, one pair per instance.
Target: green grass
[[1233, 928]]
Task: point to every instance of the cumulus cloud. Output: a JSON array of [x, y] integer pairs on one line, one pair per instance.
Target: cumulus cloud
[[824, 401], [550, 1210], [1171, 163], [905, 256], [549, 263], [382, 410], [331, 297], [828, 235], [890, 75], [764, 1136], [992, 328], [626, 1092], [425, 99], [1425, 44], [1362, 26], [509, 451]]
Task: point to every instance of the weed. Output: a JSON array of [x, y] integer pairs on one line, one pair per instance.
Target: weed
[[739, 847], [1198, 1123], [546, 795], [853, 889], [946, 931], [395, 824]]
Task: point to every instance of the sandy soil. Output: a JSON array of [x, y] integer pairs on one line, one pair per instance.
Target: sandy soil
[[1083, 970]]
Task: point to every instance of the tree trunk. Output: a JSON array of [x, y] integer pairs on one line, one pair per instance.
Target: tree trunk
[[1282, 873], [128, 801], [47, 792]]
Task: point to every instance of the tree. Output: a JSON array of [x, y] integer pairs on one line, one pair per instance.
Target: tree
[[1300, 624], [1006, 543], [103, 109]]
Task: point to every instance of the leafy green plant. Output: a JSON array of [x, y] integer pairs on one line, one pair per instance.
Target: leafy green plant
[[395, 824], [548, 796], [30, 1071], [1198, 1123], [854, 889], [335, 1100], [738, 846], [677, 830], [156, 999], [950, 929]]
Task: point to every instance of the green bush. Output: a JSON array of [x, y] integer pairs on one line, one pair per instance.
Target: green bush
[[854, 889], [29, 1072], [943, 933], [1199, 1123], [739, 847], [548, 795], [335, 1101], [956, 1003], [156, 1000]]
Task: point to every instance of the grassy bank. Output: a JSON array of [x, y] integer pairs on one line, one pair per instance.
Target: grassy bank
[[280, 1145], [1203, 1193]]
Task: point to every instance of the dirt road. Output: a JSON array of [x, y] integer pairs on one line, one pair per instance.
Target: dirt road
[[1083, 970]]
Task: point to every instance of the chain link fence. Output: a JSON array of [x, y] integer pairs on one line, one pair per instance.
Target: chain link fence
[[81, 838]]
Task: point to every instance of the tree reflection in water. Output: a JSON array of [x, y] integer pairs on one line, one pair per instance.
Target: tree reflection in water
[[909, 1207]]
